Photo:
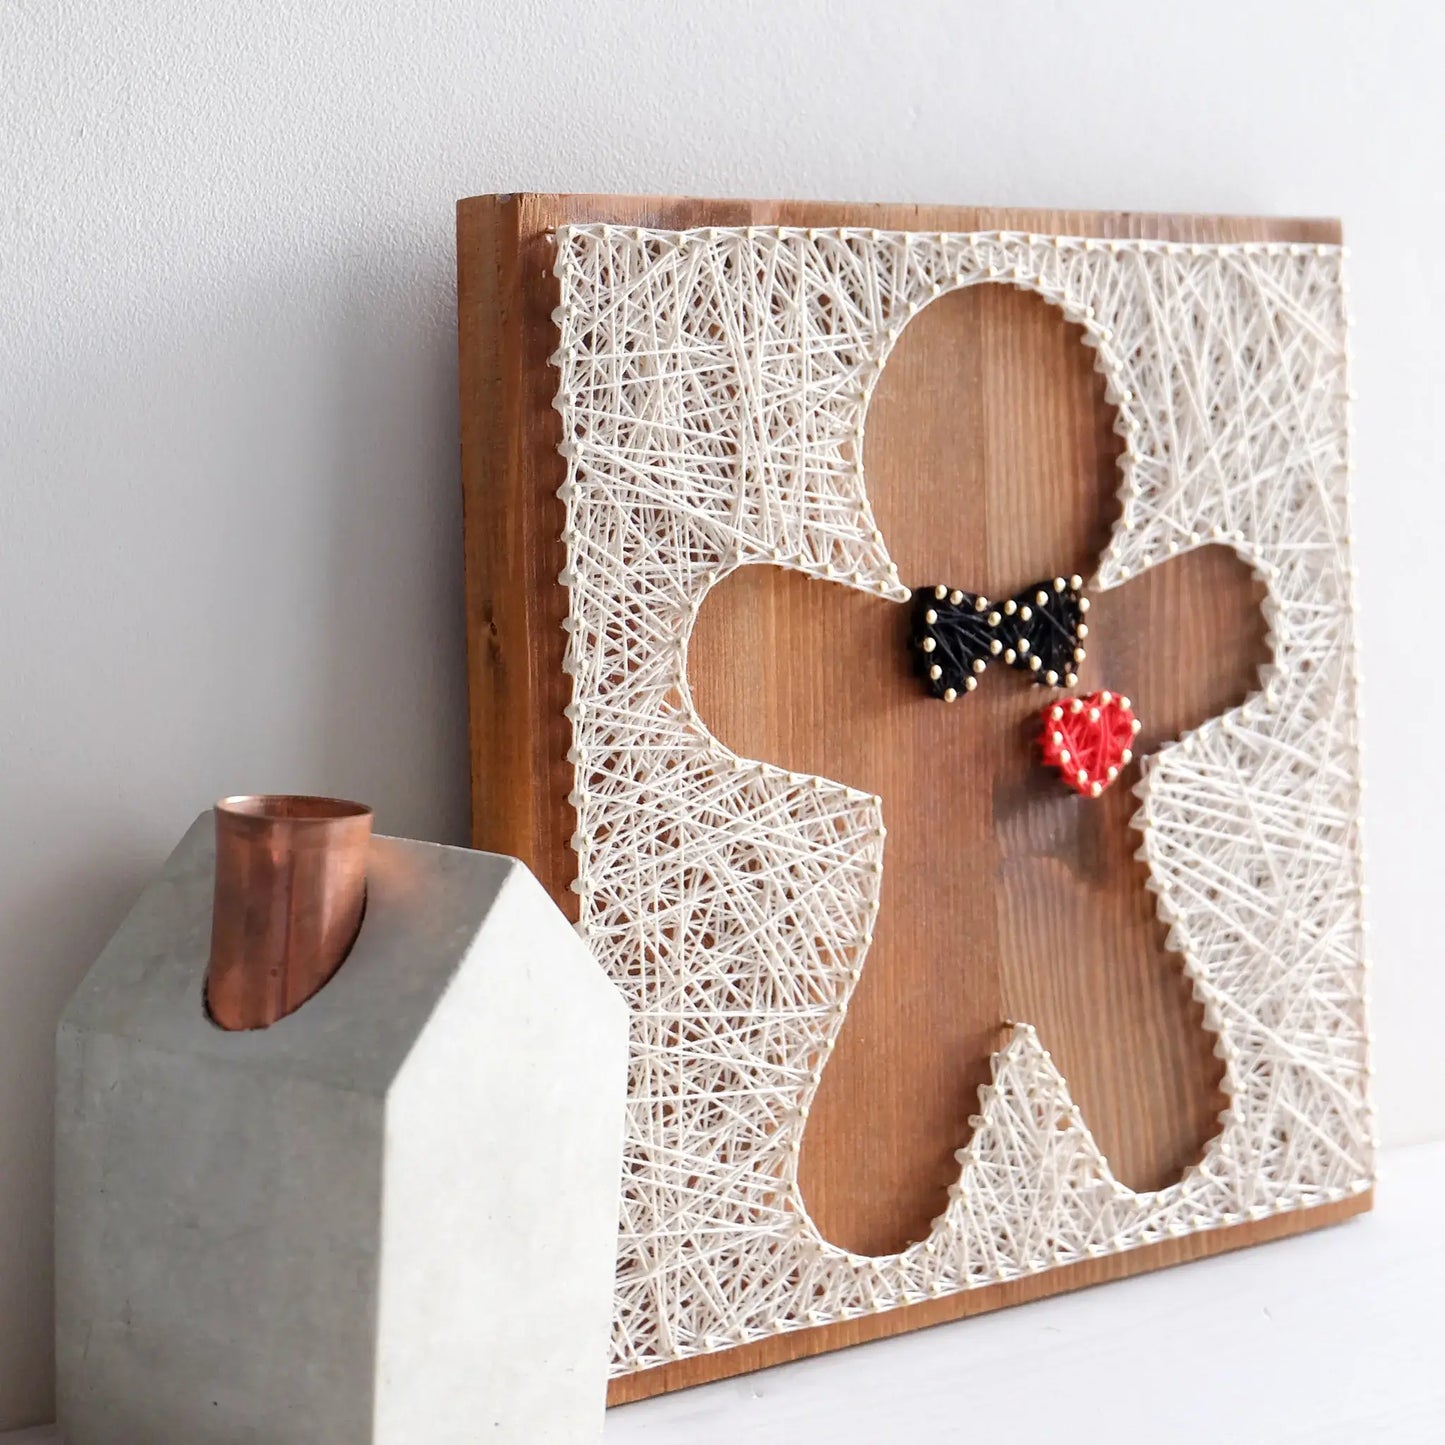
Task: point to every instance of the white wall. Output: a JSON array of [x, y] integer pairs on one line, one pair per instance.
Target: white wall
[[230, 548]]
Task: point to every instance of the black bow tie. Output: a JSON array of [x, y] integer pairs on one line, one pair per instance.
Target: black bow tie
[[1040, 631]]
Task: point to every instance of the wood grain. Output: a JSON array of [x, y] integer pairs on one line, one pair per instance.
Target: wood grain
[[991, 462]]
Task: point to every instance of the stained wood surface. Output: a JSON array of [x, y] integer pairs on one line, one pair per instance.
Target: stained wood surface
[[991, 463]]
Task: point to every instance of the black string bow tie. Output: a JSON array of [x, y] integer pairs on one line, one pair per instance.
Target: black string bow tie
[[1040, 631]]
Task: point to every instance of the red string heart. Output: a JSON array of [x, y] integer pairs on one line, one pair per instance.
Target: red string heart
[[1089, 740]]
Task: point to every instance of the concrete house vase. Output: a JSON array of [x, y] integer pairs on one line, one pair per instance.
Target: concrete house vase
[[389, 1216]]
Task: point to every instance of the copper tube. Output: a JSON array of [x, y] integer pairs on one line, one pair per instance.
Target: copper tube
[[290, 892]]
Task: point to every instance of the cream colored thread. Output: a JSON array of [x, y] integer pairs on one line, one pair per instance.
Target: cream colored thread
[[713, 386]]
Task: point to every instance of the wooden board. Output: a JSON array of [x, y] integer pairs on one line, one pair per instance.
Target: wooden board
[[991, 462]]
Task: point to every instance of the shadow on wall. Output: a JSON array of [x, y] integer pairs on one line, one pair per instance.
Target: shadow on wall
[[390, 713], [236, 565]]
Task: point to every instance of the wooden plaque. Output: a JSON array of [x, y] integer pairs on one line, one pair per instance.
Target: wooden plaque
[[1012, 915]]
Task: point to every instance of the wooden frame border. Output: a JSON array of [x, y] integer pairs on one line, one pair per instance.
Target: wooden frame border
[[511, 470]]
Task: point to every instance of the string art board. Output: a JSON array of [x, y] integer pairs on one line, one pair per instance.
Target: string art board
[[801, 539]]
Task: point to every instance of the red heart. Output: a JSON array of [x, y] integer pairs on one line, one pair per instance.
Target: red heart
[[1089, 740]]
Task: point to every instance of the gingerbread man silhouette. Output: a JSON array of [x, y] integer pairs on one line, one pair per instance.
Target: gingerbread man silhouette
[[1007, 896]]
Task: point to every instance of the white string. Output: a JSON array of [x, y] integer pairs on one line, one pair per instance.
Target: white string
[[713, 391]]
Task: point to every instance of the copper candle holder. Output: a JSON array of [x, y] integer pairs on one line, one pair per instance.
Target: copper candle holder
[[290, 893]]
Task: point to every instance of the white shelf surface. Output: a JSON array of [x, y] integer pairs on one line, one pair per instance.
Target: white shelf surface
[[1327, 1338]]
